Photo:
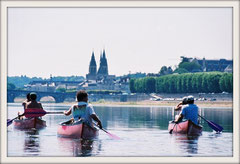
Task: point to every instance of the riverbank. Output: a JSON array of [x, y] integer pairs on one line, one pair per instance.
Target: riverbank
[[227, 104], [218, 103]]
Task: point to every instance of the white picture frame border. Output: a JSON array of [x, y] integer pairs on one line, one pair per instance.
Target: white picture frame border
[[5, 4]]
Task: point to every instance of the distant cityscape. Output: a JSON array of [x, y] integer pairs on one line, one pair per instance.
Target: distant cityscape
[[99, 79]]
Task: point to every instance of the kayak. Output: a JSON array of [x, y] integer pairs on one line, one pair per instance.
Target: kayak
[[77, 130], [185, 127], [29, 123]]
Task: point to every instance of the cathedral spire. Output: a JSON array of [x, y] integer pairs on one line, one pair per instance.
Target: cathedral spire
[[103, 68], [93, 65]]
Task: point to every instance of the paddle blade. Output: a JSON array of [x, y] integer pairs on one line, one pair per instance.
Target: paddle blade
[[9, 122], [34, 112], [215, 126], [113, 136]]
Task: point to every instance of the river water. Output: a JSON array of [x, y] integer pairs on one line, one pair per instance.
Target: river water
[[142, 131]]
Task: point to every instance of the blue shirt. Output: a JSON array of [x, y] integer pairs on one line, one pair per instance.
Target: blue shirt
[[84, 111], [190, 112]]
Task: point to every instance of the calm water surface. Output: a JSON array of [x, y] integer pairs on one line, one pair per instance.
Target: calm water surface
[[143, 132]]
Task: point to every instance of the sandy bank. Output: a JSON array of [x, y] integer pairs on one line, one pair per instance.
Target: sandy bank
[[228, 104]]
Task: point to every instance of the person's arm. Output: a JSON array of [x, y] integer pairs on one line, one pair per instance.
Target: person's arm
[[178, 107], [95, 118], [180, 117], [40, 106], [68, 112]]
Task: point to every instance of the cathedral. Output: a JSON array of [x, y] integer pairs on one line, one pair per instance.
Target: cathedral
[[102, 72]]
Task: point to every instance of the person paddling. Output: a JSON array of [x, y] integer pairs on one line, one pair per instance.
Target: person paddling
[[24, 104], [189, 111], [83, 110], [183, 102], [33, 103]]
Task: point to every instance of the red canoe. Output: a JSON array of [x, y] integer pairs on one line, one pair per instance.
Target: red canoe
[[29, 123], [77, 130], [185, 127]]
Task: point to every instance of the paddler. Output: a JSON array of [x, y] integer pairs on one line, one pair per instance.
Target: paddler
[[189, 111], [183, 102], [24, 104], [33, 103], [83, 110]]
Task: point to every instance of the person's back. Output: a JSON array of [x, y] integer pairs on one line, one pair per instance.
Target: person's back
[[84, 111], [190, 112], [33, 103]]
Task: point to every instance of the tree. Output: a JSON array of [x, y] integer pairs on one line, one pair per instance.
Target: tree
[[131, 86], [150, 85], [163, 70], [189, 66], [180, 70], [226, 82]]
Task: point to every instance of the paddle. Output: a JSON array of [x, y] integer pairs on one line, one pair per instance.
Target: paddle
[[213, 125], [109, 134], [38, 113], [10, 121], [172, 128]]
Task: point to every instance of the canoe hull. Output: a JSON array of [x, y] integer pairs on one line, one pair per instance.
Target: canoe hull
[[29, 123], [77, 130], [185, 127]]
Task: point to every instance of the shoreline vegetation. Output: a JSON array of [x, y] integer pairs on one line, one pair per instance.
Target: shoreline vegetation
[[170, 103]]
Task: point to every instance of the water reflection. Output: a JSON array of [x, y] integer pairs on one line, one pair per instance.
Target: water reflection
[[79, 147], [151, 117], [31, 142], [143, 132], [187, 143]]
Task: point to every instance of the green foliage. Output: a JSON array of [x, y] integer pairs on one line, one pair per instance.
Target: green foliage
[[165, 70], [150, 85], [180, 70], [226, 82], [189, 66], [11, 86], [207, 82], [20, 81], [131, 86]]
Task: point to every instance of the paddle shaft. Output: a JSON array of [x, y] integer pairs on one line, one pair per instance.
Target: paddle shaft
[[172, 128], [111, 135], [10, 121], [214, 126]]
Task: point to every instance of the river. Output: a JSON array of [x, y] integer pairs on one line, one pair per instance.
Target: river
[[142, 131]]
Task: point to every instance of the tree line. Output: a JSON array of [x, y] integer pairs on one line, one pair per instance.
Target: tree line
[[203, 82]]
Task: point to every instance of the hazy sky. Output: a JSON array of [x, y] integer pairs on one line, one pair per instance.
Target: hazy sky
[[60, 41]]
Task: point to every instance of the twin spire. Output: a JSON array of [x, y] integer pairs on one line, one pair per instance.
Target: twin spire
[[103, 68]]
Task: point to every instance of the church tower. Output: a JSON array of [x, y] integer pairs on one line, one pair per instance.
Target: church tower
[[103, 68], [93, 65], [92, 69]]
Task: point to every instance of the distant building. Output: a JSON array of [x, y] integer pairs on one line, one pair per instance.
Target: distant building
[[215, 65], [101, 76], [221, 65]]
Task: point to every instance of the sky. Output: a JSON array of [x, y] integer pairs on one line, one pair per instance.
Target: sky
[[60, 41]]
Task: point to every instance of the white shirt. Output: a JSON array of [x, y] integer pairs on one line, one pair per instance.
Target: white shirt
[[84, 111]]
